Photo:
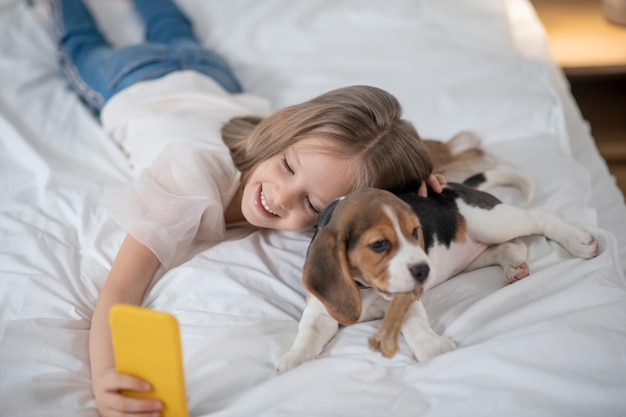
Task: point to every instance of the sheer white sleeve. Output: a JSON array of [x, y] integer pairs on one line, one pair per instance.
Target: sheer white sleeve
[[184, 192]]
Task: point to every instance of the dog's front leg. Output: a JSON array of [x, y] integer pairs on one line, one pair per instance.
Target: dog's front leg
[[422, 339], [315, 330]]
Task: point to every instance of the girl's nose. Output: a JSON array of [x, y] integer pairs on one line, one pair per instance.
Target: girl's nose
[[283, 199]]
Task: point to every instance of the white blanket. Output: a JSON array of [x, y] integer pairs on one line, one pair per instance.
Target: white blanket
[[553, 344]]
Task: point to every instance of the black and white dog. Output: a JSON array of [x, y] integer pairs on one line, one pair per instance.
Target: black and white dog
[[373, 244]]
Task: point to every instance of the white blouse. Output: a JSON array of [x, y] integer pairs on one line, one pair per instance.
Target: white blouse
[[170, 129]]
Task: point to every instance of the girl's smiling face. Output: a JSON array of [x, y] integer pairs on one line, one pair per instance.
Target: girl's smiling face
[[288, 190]]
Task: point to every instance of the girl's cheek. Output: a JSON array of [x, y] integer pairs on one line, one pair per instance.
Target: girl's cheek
[[307, 224]]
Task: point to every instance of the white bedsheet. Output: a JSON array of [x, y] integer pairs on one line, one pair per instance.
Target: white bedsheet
[[553, 344]]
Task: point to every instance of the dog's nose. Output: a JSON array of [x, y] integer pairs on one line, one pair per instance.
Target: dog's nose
[[419, 272]]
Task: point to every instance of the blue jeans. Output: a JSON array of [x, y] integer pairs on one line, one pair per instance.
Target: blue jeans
[[98, 70]]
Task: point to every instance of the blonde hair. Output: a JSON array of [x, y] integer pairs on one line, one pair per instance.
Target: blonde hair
[[364, 121]]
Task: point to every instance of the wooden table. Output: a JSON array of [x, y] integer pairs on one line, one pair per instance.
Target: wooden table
[[581, 39]]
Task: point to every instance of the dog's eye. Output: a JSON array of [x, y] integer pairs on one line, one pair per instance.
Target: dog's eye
[[380, 245], [416, 233]]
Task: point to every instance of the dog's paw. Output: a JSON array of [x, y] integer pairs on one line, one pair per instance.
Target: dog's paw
[[582, 244], [428, 347], [293, 358], [388, 346], [515, 272]]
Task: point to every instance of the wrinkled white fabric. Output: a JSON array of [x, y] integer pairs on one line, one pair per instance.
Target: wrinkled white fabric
[[179, 200]]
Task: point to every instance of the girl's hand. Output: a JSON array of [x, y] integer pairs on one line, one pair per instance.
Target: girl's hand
[[111, 403], [436, 182]]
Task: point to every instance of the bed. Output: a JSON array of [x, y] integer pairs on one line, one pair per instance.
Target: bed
[[553, 344]]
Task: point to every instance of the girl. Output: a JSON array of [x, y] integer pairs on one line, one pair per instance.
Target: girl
[[206, 164]]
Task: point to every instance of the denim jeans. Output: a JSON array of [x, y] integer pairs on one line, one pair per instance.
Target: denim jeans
[[98, 70]]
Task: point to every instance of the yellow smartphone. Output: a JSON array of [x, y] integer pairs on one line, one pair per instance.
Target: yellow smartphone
[[146, 345]]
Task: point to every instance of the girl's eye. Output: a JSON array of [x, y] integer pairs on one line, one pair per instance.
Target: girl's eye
[[287, 166], [312, 207], [308, 203]]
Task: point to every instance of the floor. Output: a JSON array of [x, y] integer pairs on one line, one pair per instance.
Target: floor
[[602, 101]]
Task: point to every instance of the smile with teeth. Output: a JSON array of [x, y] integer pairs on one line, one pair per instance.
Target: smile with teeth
[[266, 206]]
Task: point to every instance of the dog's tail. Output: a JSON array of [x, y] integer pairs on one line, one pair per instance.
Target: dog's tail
[[494, 178], [460, 157]]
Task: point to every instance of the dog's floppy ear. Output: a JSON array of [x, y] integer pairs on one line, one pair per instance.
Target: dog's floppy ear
[[326, 275], [327, 213]]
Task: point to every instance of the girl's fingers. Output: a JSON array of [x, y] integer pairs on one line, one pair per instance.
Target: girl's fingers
[[422, 190], [118, 404], [114, 381], [436, 182], [123, 405]]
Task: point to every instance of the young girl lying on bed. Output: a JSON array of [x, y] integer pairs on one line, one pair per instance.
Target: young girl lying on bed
[[164, 102]]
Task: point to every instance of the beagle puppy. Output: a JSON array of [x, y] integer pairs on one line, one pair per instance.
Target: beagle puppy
[[373, 244]]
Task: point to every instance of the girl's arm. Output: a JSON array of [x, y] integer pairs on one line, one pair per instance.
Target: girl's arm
[[132, 272]]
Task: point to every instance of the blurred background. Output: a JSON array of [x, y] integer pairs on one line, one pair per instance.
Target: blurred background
[[588, 40]]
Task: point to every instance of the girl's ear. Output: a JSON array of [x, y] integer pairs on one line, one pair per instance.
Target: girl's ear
[[326, 275]]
